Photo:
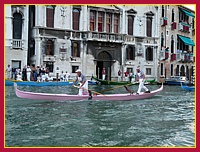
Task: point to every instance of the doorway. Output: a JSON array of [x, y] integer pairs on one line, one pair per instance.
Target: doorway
[[104, 60]]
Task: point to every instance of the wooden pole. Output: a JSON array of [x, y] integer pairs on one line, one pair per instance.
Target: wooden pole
[[98, 72], [108, 75]]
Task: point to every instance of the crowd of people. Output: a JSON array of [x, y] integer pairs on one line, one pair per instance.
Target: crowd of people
[[41, 73], [128, 76], [33, 73]]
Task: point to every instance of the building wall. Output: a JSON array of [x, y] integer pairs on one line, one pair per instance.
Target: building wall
[[16, 49], [168, 32]]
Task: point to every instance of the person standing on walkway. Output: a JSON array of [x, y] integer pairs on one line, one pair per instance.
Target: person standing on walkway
[[140, 76], [67, 75], [119, 76], [83, 88], [126, 75], [28, 73], [24, 76], [8, 72], [103, 74]]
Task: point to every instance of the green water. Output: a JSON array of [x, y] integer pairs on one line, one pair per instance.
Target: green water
[[164, 120]]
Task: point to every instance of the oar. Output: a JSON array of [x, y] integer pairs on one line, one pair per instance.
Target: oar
[[89, 90], [117, 87], [127, 89]]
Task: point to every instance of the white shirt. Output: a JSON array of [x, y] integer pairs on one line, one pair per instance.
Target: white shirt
[[28, 70]]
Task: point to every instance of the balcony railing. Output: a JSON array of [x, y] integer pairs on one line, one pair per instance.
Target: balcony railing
[[179, 57], [49, 58], [163, 21], [188, 57], [191, 57], [17, 44], [88, 35], [182, 26], [173, 25], [173, 57], [164, 55], [105, 36]]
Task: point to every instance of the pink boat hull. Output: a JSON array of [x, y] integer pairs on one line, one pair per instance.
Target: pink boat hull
[[65, 97]]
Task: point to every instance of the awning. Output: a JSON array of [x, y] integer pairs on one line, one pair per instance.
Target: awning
[[187, 13], [186, 40]]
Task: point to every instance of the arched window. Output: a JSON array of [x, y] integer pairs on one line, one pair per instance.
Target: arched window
[[108, 22], [172, 69], [149, 26], [100, 21], [17, 26], [163, 11], [172, 15], [92, 20], [149, 54], [116, 23], [162, 40], [75, 49], [76, 16], [172, 44], [177, 70], [130, 53], [130, 24], [50, 16], [49, 47]]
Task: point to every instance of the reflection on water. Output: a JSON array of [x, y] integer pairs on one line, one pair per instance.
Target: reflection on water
[[164, 120]]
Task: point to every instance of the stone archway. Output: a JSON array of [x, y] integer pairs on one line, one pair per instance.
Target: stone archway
[[104, 59]]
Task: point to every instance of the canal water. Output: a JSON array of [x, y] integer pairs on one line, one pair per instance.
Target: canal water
[[167, 119]]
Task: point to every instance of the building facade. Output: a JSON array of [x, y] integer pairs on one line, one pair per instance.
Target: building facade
[[16, 35], [90, 37], [177, 32]]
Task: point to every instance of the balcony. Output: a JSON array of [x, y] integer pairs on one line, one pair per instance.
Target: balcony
[[164, 55], [192, 57], [186, 28], [180, 27], [184, 57], [179, 57], [111, 37], [173, 57], [187, 57], [163, 21], [173, 25], [17, 44], [49, 58], [128, 38]]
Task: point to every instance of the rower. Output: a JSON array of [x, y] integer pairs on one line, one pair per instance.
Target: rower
[[83, 88]]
